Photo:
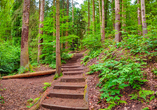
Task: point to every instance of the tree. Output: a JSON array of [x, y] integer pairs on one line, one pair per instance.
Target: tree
[[54, 34], [139, 17], [40, 40], [58, 57], [100, 14], [93, 16], [66, 33], [103, 22], [144, 25], [88, 15], [72, 13], [117, 21], [123, 15], [24, 58]]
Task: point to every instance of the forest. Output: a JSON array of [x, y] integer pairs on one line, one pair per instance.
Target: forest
[[114, 41]]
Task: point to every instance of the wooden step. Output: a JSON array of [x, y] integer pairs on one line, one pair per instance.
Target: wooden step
[[72, 72], [70, 87], [73, 66], [72, 79], [73, 69], [65, 104], [66, 95]]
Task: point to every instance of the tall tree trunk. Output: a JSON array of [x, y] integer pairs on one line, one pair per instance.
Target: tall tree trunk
[[123, 15], [93, 16], [72, 13], [62, 27], [66, 33], [54, 24], [117, 21], [106, 12], [24, 57], [42, 2], [103, 22], [144, 25], [139, 17], [113, 13], [88, 16], [100, 14], [58, 57]]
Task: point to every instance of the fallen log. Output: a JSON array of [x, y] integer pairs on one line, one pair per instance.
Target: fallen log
[[26, 75]]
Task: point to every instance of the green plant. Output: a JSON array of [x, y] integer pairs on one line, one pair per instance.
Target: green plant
[[115, 76], [146, 108], [154, 71], [56, 76], [46, 85], [1, 99]]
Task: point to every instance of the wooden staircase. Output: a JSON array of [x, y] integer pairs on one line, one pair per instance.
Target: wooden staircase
[[69, 92]]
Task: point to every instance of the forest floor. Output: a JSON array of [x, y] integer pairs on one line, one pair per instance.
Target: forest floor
[[16, 92]]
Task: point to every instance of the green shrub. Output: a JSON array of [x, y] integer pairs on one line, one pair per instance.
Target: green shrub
[[9, 57]]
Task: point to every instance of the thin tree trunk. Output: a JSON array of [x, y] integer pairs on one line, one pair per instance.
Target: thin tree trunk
[[144, 25], [54, 24], [100, 15], [42, 2], [123, 15], [58, 58], [66, 43], [88, 16], [139, 17], [24, 57], [93, 16], [103, 22], [117, 21]]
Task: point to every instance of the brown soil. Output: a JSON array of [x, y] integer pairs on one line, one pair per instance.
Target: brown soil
[[18, 91]]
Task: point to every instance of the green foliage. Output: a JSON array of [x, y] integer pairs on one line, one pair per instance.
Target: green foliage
[[47, 84], [9, 57], [154, 71], [92, 42], [56, 76], [1, 99], [144, 95], [146, 108]]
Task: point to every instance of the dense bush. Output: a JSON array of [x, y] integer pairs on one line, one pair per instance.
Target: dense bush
[[9, 57]]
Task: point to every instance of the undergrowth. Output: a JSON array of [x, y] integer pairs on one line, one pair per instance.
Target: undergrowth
[[117, 72]]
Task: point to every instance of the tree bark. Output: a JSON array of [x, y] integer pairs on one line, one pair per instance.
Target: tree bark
[[123, 15], [100, 14], [24, 57], [40, 26], [144, 25], [103, 22], [139, 17], [54, 24], [62, 27], [66, 33], [113, 13], [72, 13], [58, 57], [117, 21], [106, 12], [88, 16], [93, 16]]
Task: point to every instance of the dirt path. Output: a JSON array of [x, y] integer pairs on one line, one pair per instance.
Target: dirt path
[[16, 92]]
